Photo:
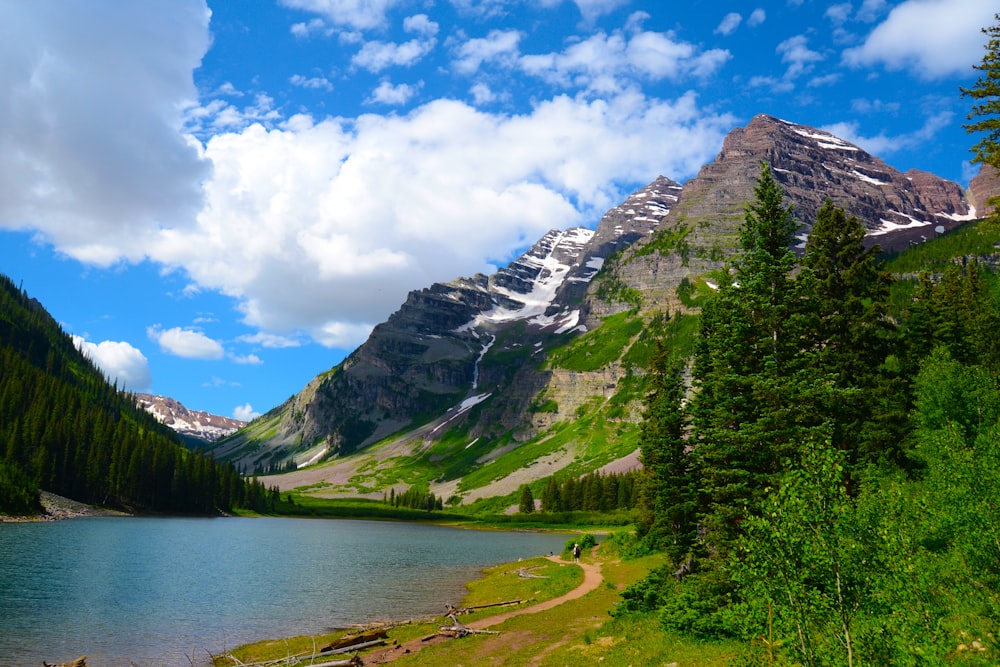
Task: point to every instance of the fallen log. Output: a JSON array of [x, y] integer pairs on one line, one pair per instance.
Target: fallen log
[[460, 629], [352, 640], [354, 647], [452, 609]]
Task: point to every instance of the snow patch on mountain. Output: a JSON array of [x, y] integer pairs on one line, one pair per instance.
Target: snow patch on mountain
[[195, 423], [549, 270]]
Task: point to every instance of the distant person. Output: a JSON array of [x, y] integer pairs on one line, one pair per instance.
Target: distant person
[[576, 552]]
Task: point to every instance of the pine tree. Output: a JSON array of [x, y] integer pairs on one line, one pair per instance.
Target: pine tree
[[526, 505], [551, 496], [850, 338], [985, 114], [750, 377], [670, 486]]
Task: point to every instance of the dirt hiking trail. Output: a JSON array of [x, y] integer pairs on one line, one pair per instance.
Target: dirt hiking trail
[[592, 578]]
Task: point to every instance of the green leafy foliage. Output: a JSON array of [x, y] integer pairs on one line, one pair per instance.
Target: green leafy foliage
[[985, 113]]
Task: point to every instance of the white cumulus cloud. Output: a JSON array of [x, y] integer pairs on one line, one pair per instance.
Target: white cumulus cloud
[[119, 361], [187, 343], [932, 38], [99, 188], [359, 14], [324, 226], [245, 412]]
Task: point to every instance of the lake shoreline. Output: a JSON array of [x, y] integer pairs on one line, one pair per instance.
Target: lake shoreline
[[58, 508]]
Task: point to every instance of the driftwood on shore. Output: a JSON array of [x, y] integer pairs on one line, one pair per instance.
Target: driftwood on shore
[[525, 572], [354, 640], [452, 609], [458, 629]]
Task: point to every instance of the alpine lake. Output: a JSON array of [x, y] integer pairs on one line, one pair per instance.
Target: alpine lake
[[170, 592]]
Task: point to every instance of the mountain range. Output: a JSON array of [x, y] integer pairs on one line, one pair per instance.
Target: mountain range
[[196, 424], [477, 385]]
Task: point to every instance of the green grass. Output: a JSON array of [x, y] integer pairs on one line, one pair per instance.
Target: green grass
[[669, 242], [598, 348]]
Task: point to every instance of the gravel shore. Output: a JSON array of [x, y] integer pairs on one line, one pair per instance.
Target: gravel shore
[[57, 508]]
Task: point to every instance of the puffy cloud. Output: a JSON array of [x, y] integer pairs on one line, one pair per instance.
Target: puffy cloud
[[592, 9], [376, 56], [603, 61], [359, 14], [932, 38], [421, 25], [883, 144], [313, 82], [269, 340], [325, 226], [730, 22], [93, 155], [757, 17], [305, 30], [386, 93], [798, 56], [119, 361], [316, 227], [499, 45], [245, 412], [248, 359], [481, 94], [187, 343]]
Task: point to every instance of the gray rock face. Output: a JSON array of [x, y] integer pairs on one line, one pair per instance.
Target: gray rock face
[[812, 165]]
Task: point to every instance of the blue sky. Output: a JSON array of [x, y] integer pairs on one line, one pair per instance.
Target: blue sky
[[220, 200]]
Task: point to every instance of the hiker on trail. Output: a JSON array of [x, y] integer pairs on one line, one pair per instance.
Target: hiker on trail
[[576, 552]]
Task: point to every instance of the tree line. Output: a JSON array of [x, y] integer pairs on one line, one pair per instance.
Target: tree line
[[66, 429], [593, 492]]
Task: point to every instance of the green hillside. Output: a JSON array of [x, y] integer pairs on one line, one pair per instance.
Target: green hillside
[[65, 429]]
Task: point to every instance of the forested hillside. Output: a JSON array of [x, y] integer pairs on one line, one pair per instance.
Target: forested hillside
[[65, 429]]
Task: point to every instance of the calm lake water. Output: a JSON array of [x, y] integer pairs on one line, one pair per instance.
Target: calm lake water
[[166, 592]]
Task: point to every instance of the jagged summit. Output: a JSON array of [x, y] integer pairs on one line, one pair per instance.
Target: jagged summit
[[813, 165], [196, 423]]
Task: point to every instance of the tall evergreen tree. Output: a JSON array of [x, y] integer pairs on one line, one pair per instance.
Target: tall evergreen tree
[[526, 503], [750, 378], [670, 484], [850, 338]]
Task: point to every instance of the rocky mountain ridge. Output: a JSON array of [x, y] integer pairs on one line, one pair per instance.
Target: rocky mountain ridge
[[508, 360], [193, 423]]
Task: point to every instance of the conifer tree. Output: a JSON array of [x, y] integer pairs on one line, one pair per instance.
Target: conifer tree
[[849, 337], [751, 382], [670, 485], [526, 505]]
